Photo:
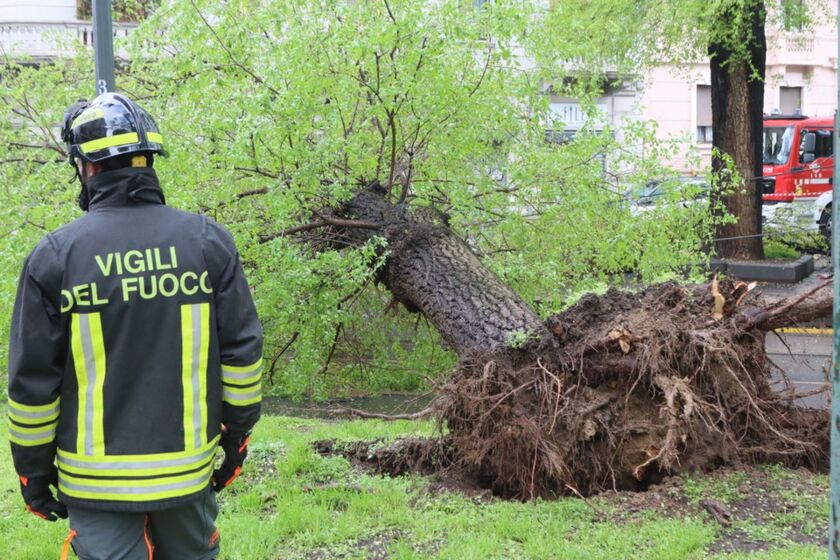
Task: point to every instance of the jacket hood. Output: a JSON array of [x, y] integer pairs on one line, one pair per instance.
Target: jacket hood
[[124, 187]]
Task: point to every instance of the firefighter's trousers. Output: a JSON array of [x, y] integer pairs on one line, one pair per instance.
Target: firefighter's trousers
[[186, 532]]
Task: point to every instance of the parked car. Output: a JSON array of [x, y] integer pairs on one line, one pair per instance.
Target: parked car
[[678, 190]]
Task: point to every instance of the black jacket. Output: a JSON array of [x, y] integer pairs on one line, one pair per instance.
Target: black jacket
[[134, 337]]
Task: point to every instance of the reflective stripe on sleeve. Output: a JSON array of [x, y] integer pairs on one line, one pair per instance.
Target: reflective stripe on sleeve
[[32, 436], [88, 349], [242, 396], [33, 414], [242, 375], [195, 337]]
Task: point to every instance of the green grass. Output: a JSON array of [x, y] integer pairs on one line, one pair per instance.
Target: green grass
[[291, 503], [790, 245], [774, 249]]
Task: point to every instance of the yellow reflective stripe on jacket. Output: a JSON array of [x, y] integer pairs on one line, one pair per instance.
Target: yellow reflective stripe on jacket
[[31, 436], [242, 396], [133, 490], [242, 375], [138, 465], [33, 414], [195, 339], [110, 142], [88, 350]]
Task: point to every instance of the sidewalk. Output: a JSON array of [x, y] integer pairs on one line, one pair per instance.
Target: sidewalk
[[803, 352], [778, 291]]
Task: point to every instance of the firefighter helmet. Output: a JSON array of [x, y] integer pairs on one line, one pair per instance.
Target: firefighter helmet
[[110, 125]]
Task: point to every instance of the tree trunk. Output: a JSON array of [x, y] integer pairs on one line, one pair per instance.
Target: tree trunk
[[433, 272], [737, 112]]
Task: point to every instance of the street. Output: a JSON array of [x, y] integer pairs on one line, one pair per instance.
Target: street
[[805, 355]]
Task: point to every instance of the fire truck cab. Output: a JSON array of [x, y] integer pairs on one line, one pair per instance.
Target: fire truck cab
[[798, 169]]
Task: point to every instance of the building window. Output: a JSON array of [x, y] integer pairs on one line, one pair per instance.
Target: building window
[[790, 100], [704, 114], [704, 134], [560, 136]]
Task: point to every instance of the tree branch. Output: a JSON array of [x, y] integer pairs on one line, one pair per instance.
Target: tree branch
[[252, 192], [280, 353], [390, 13], [483, 73], [333, 346], [426, 412], [392, 125], [239, 65], [326, 222], [258, 171], [791, 311]]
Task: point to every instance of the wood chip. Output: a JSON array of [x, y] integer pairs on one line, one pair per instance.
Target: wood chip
[[717, 510], [717, 309], [623, 337]]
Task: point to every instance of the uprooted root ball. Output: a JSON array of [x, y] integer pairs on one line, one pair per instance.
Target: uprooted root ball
[[633, 387], [636, 386]]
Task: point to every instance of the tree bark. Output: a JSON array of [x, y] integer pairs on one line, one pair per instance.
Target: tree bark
[[737, 123], [432, 271]]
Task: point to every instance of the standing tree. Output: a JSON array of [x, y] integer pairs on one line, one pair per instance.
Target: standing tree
[[732, 34], [737, 53]]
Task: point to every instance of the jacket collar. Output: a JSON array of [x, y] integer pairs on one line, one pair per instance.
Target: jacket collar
[[124, 187]]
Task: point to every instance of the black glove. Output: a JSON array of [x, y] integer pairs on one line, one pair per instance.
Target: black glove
[[236, 449], [39, 498]]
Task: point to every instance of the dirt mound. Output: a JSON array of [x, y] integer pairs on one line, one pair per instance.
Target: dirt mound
[[403, 456]]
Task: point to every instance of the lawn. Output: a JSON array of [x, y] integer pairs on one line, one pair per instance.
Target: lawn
[[292, 503]]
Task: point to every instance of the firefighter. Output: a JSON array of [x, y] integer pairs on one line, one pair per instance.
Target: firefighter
[[135, 353]]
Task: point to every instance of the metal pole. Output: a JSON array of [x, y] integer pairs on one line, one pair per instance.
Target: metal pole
[[103, 46], [834, 522]]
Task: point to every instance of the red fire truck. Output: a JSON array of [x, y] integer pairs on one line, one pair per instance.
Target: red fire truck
[[798, 167]]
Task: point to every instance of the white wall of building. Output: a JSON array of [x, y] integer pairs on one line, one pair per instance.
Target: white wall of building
[[37, 11], [45, 29]]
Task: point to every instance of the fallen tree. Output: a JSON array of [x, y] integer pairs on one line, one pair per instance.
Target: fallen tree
[[617, 391], [428, 98]]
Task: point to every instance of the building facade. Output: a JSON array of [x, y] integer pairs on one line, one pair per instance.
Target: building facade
[[801, 76], [44, 29]]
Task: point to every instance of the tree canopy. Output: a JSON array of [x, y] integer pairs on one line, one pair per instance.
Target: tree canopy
[[275, 112]]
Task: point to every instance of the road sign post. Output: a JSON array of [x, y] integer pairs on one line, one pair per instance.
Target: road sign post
[[103, 46]]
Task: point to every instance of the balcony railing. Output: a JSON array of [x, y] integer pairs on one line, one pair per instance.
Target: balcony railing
[[799, 44], [800, 49], [39, 40]]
